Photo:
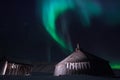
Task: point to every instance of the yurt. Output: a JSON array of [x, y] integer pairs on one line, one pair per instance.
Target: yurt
[[81, 62]]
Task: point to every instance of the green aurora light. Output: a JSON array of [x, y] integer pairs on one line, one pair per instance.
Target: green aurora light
[[50, 10], [115, 65]]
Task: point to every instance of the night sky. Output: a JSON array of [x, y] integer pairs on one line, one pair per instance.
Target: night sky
[[23, 34]]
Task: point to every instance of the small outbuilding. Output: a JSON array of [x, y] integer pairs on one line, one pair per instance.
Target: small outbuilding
[[12, 67]]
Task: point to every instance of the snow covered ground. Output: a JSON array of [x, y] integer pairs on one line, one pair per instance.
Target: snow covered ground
[[50, 77]]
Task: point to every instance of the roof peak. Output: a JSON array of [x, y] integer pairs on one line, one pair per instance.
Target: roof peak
[[78, 47]]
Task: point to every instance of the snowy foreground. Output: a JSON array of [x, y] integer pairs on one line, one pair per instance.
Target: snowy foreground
[[50, 77]]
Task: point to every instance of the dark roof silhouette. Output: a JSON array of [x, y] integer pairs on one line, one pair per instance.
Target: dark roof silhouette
[[80, 55], [82, 62]]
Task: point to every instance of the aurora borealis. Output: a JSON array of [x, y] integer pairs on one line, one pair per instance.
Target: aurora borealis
[[115, 66], [51, 10], [86, 9], [48, 30]]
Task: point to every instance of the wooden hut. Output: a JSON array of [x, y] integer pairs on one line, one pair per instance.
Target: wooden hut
[[12, 67]]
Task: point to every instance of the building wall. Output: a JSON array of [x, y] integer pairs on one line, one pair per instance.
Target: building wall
[[101, 68], [10, 68], [60, 70], [90, 68]]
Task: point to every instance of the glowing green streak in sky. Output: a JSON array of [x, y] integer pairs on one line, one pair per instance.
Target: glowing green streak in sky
[[86, 9], [52, 9], [115, 66]]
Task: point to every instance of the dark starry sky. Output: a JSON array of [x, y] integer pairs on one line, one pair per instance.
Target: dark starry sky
[[22, 36]]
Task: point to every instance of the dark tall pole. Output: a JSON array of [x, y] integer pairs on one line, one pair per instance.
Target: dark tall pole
[[49, 53]]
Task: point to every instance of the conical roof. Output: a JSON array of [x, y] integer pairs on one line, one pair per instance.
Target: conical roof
[[81, 62], [80, 56]]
